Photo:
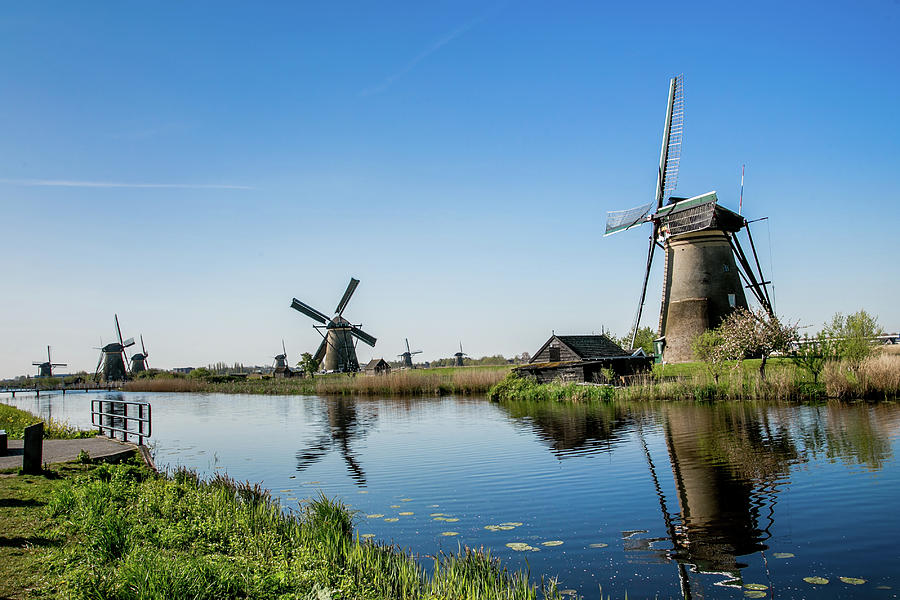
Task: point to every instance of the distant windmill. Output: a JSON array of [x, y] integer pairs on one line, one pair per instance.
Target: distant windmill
[[45, 369], [459, 356], [338, 347], [406, 357], [702, 283], [113, 358], [139, 359], [282, 369]]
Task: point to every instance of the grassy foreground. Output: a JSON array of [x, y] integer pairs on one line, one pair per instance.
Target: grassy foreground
[[414, 382], [14, 421], [122, 531], [877, 378]]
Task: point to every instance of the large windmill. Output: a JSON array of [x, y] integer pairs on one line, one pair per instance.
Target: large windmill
[[45, 369], [459, 356], [701, 281], [139, 359], [113, 358], [406, 357], [338, 346]]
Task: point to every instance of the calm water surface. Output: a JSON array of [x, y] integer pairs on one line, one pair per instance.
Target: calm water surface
[[667, 500]]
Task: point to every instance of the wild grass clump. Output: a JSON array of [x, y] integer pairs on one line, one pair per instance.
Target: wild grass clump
[[15, 420], [876, 377], [136, 535]]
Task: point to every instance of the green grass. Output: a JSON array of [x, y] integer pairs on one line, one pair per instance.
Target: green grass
[[14, 421], [132, 534], [27, 533]]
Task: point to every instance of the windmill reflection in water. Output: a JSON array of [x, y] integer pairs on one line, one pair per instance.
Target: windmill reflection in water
[[343, 426]]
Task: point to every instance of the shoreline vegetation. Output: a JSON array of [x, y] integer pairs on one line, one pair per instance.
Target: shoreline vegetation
[[14, 421], [875, 378], [412, 382], [126, 532]]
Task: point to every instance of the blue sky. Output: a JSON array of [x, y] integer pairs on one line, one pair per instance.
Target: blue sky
[[192, 167]]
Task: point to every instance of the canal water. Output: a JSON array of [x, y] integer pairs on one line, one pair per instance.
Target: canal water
[[654, 500]]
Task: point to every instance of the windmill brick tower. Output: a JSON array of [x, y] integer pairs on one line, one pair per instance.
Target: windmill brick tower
[[338, 347], [45, 369], [406, 357], [113, 358], [139, 359], [706, 269]]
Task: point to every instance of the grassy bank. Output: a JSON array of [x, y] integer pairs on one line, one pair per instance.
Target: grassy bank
[[14, 421], [121, 531], [877, 378], [414, 382]]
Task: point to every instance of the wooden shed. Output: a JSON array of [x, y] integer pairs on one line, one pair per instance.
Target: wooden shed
[[377, 366], [583, 358]]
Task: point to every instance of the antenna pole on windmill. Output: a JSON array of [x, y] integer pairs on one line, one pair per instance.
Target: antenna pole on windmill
[[741, 200]]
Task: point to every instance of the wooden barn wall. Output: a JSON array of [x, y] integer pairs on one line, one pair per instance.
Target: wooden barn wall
[[565, 355]]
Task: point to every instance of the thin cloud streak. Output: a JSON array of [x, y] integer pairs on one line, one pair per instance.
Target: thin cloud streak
[[119, 184], [434, 47]]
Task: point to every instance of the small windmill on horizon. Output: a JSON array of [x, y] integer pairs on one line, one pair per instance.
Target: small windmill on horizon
[[701, 279], [459, 356], [45, 369], [139, 359], [406, 357]]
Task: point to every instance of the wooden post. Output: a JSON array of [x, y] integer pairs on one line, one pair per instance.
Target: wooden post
[[33, 449]]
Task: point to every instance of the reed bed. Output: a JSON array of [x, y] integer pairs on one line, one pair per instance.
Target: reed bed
[[414, 382], [134, 535], [877, 376]]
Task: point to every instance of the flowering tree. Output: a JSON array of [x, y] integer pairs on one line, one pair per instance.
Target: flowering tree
[[713, 349], [756, 333], [813, 352]]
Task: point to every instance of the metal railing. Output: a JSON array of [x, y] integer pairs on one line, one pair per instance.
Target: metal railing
[[112, 416]]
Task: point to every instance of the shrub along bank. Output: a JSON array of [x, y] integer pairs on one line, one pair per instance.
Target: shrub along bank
[[133, 534], [876, 378], [14, 421]]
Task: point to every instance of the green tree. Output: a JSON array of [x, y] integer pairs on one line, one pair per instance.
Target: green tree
[[813, 352], [308, 364], [756, 334], [853, 335], [712, 348], [644, 339]]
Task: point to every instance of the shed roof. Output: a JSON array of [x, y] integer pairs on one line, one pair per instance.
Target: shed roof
[[589, 347], [374, 363]]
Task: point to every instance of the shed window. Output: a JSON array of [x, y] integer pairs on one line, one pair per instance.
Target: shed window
[[554, 353], [731, 300]]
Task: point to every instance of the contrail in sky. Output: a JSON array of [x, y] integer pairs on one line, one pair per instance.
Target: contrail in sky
[[434, 47], [120, 184]]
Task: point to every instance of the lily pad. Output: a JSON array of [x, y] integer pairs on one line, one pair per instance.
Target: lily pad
[[391, 520], [600, 545], [395, 506], [362, 492], [439, 519], [451, 519], [505, 527], [491, 527], [756, 586], [552, 543], [449, 533], [375, 516], [310, 482], [405, 499], [754, 594], [405, 514], [437, 515], [783, 555], [291, 498], [816, 580], [367, 536], [511, 524], [852, 580], [568, 592], [521, 547]]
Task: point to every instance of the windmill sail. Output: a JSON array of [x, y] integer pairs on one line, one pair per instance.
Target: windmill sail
[[623, 220], [670, 153]]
